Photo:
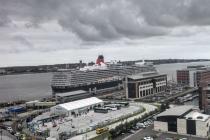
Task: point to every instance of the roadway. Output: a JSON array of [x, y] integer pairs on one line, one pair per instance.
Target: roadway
[[160, 136]]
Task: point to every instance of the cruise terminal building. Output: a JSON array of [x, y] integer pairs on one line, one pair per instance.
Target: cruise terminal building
[[184, 119]]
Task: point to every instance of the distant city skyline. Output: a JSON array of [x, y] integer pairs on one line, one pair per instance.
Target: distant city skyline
[[37, 32]]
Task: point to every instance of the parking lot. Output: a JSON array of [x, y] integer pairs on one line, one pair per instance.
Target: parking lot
[[140, 134], [85, 122]]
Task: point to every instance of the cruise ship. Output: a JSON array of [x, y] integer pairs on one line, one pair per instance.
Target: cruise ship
[[97, 77]]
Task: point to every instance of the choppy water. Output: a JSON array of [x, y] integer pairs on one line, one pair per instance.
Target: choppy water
[[31, 86], [24, 86]]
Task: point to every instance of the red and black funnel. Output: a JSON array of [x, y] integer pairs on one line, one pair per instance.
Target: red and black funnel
[[100, 59]]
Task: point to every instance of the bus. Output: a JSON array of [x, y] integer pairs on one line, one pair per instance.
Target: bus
[[102, 130]]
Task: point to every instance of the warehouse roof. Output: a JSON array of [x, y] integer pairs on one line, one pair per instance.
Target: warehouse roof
[[80, 103], [176, 111], [195, 115], [71, 93]]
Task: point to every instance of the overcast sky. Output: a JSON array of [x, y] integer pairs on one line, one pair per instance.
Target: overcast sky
[[34, 32]]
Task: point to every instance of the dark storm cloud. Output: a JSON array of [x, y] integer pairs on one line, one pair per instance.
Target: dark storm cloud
[[4, 20], [105, 20], [175, 12]]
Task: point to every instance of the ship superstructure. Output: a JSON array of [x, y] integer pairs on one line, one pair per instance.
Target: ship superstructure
[[96, 77]]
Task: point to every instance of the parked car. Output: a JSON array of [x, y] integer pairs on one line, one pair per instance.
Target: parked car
[[146, 123], [135, 128], [10, 129], [183, 139], [150, 122], [148, 138], [153, 118], [132, 131], [141, 125], [17, 134], [168, 138], [22, 137]]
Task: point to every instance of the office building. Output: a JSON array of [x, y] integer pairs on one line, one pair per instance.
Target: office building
[[145, 84]]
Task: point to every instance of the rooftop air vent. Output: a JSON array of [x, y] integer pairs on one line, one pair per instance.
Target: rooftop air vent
[[200, 117], [189, 118]]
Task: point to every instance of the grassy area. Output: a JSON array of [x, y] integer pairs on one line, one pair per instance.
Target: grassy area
[[128, 125]]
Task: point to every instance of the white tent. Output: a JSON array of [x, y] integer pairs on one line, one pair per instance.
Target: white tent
[[75, 105]]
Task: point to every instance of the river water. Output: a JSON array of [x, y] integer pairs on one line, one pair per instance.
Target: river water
[[24, 86], [170, 69], [34, 86]]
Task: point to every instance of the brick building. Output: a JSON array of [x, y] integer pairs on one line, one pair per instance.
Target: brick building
[[204, 96], [145, 84], [192, 77], [183, 77]]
